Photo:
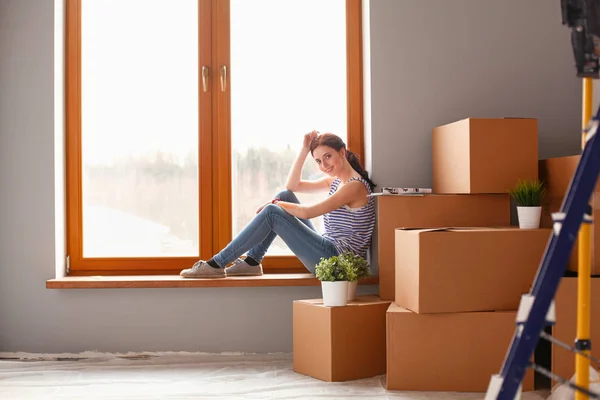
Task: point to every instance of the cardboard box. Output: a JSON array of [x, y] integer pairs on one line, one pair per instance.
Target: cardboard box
[[557, 173], [460, 269], [456, 352], [484, 155], [565, 329], [430, 211], [338, 344]]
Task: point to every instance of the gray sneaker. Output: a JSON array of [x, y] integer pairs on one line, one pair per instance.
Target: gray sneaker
[[241, 268], [202, 270]]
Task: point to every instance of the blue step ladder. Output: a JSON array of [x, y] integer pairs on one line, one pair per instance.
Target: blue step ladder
[[536, 310]]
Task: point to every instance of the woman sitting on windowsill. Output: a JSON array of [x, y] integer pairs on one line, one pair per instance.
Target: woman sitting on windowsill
[[348, 214]]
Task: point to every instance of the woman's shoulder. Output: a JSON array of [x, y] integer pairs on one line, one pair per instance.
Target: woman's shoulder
[[359, 180]]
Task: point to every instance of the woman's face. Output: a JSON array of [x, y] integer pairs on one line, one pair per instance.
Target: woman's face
[[329, 160]]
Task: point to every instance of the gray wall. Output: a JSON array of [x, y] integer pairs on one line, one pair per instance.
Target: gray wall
[[438, 61], [430, 64]]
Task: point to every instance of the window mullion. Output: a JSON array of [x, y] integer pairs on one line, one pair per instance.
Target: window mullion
[[206, 168], [221, 184]]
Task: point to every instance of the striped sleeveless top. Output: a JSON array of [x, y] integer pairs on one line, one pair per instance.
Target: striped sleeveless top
[[351, 229]]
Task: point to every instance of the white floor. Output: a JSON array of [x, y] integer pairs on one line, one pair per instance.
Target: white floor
[[184, 376]]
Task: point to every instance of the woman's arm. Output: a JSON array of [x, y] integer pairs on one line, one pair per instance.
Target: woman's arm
[[294, 181], [348, 193]]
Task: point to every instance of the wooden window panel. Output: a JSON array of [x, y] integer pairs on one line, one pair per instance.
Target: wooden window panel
[[214, 138]]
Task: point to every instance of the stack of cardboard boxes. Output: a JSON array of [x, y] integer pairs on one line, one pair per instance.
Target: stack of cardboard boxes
[[452, 270], [458, 282]]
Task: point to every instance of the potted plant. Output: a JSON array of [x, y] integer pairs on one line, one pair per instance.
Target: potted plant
[[528, 195], [334, 274], [360, 266]]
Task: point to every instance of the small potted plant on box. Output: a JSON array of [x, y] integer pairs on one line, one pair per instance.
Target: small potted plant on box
[[360, 266], [528, 195], [334, 274]]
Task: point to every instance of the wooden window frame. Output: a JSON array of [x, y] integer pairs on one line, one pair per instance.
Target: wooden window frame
[[215, 205]]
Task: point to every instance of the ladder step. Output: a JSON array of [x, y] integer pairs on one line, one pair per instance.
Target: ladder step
[[544, 371], [559, 217], [525, 305], [557, 342], [495, 386]]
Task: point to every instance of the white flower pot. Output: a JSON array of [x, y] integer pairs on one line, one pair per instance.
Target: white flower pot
[[352, 290], [529, 217], [335, 294]]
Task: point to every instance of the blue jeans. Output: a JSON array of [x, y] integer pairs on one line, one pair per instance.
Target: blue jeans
[[299, 234]]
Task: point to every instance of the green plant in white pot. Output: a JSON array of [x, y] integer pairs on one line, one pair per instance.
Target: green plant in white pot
[[360, 266], [334, 274], [528, 195]]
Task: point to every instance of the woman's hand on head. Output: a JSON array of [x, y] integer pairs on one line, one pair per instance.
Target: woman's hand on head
[[308, 138]]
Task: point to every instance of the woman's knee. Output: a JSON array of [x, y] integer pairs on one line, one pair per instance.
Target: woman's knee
[[287, 195], [270, 209]]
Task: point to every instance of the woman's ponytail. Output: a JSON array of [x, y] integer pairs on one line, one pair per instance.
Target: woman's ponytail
[[355, 163]]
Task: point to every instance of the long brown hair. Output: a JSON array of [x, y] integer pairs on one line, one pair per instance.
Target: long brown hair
[[336, 143]]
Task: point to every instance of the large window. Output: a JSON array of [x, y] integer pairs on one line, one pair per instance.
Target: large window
[[183, 116]]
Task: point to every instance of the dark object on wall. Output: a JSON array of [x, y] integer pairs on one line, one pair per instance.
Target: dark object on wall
[[583, 17]]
